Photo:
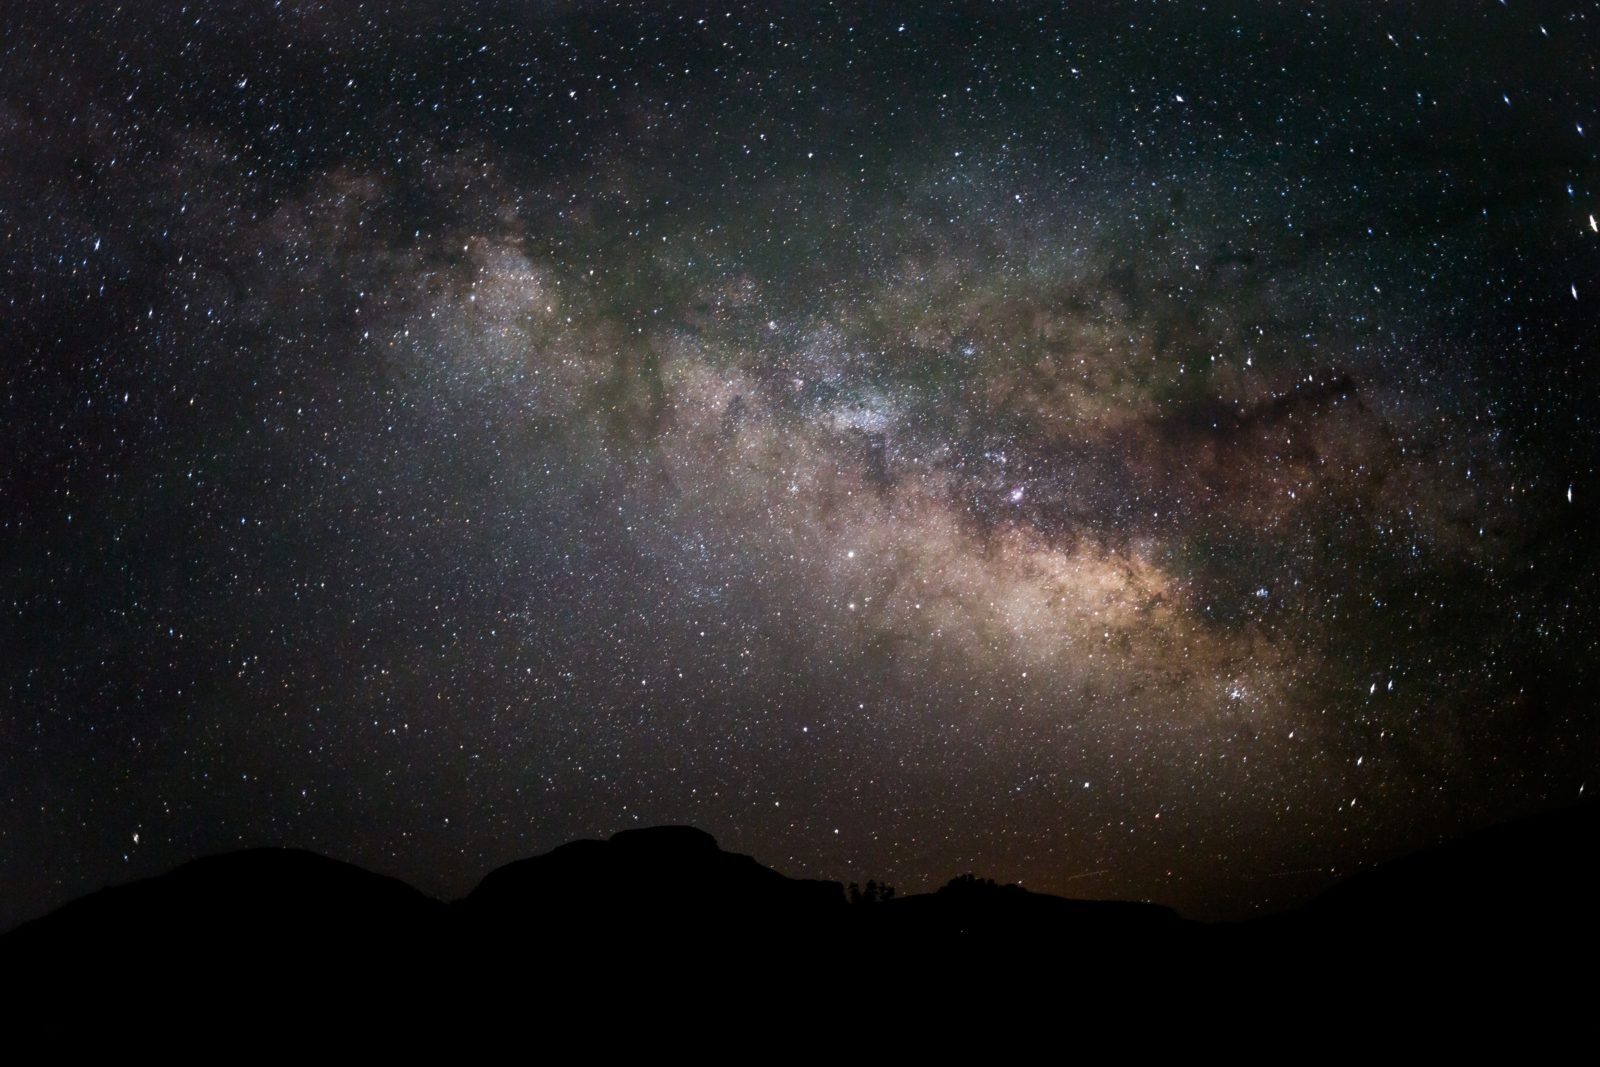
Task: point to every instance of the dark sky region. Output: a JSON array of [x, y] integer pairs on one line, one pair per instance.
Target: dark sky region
[[1137, 450]]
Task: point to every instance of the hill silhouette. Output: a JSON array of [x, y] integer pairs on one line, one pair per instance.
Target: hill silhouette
[[1516, 890], [251, 912], [666, 905]]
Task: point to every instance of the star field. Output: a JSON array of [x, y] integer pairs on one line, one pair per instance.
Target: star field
[[1138, 450]]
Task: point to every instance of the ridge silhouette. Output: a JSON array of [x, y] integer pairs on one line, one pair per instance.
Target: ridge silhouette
[[657, 908]]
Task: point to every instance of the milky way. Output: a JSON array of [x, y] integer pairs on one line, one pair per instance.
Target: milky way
[[1136, 451]]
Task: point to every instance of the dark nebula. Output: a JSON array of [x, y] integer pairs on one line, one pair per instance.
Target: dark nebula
[[1138, 450]]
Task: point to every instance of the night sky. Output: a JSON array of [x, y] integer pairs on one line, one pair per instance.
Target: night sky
[[1137, 450]]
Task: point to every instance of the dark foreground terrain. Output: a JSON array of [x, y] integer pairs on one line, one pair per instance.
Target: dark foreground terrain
[[661, 914]]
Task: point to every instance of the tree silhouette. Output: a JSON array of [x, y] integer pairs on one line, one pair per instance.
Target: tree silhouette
[[872, 894], [969, 883]]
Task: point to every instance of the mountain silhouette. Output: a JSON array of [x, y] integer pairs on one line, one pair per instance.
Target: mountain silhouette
[[657, 908]]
